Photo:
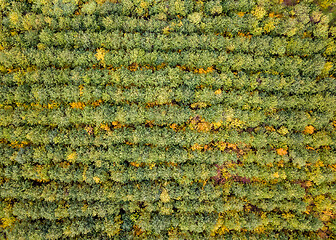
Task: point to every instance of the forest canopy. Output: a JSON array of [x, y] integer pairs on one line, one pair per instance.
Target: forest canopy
[[167, 119]]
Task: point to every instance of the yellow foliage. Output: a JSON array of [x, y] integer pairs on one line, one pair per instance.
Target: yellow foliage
[[84, 173], [135, 164], [100, 2], [217, 226], [281, 163], [184, 68], [204, 127], [326, 3], [217, 124], [105, 127], [231, 145], [260, 229], [52, 105], [115, 123], [100, 55], [72, 156], [166, 30], [96, 179], [162, 65], [150, 123], [319, 163], [333, 167], [7, 222], [326, 215], [221, 145], [164, 196], [283, 130], [196, 146], [172, 164], [259, 12], [307, 35], [7, 219], [17, 144], [98, 163], [137, 230], [281, 151], [144, 4], [309, 183], [218, 91], [41, 46], [327, 67], [198, 104], [43, 177], [89, 130], [223, 230], [288, 215], [78, 105], [36, 105], [133, 67], [81, 87], [14, 17], [235, 123], [330, 48], [309, 130], [151, 165], [173, 126], [276, 175], [202, 70], [309, 147], [241, 34], [200, 124], [269, 26]]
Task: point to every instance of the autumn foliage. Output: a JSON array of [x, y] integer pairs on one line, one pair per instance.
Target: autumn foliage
[[179, 119]]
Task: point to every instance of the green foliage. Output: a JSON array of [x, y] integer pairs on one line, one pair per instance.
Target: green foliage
[[179, 119]]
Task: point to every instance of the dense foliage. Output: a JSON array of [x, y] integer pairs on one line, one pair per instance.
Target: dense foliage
[[171, 119]]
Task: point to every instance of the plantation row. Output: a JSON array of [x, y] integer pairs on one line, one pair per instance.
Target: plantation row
[[151, 197], [52, 211], [255, 22], [189, 224], [52, 191], [223, 62], [149, 155], [210, 118], [280, 196], [161, 137], [76, 173], [29, 93], [182, 174], [166, 77], [113, 8], [260, 45], [179, 235]]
